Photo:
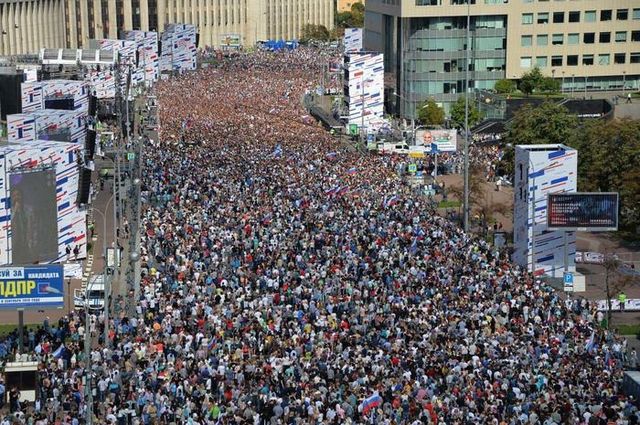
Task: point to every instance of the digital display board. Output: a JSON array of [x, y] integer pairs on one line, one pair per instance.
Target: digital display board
[[582, 211], [32, 287]]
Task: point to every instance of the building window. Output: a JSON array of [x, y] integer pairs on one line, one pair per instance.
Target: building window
[[589, 37], [558, 39], [636, 13], [635, 35], [541, 61], [622, 14], [605, 37], [542, 39], [590, 16], [574, 16], [525, 40], [634, 57], [525, 62], [572, 60], [527, 18], [604, 59], [573, 38], [543, 18], [558, 17], [605, 15], [619, 58], [587, 59], [556, 60], [621, 36]]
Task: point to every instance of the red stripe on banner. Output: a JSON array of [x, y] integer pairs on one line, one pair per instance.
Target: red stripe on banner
[[555, 185]]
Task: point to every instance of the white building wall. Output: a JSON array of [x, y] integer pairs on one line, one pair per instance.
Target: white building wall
[[541, 170]]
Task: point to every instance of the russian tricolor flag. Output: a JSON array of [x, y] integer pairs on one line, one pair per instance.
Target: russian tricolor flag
[[370, 403], [391, 201], [352, 171]]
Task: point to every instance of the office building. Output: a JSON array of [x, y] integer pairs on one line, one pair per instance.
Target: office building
[[582, 43], [28, 26]]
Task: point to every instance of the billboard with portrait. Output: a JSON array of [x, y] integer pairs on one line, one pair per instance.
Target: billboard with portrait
[[582, 211], [34, 220], [32, 287], [446, 140]]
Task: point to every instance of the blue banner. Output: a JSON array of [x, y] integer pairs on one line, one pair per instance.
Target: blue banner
[[31, 287]]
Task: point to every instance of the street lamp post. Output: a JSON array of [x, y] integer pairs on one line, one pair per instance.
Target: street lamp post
[[362, 131], [413, 120], [531, 172], [107, 280], [466, 121], [573, 84], [562, 85]]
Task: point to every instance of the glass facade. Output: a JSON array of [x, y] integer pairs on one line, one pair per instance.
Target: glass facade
[[434, 57]]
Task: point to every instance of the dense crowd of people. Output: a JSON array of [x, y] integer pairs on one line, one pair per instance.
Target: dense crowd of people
[[289, 279]]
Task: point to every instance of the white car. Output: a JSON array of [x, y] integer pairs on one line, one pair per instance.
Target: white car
[[95, 294]]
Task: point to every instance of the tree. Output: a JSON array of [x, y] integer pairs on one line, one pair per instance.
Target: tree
[[608, 154], [483, 205], [353, 18], [549, 85], [315, 32], [546, 123], [429, 113], [531, 80], [505, 86], [535, 81], [457, 113]]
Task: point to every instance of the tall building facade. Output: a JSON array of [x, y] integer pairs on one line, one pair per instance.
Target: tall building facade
[[29, 25], [585, 44]]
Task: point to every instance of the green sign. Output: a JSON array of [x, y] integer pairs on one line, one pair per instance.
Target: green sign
[[131, 156], [353, 129], [413, 168]]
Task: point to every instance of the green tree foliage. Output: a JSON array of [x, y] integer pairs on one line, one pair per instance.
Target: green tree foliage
[[353, 18], [505, 86], [315, 32], [535, 81], [457, 113], [608, 158], [608, 151], [547, 123], [429, 113]]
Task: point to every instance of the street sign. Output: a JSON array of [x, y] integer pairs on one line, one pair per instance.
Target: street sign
[[131, 156], [353, 129], [371, 138], [568, 281], [413, 168]]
